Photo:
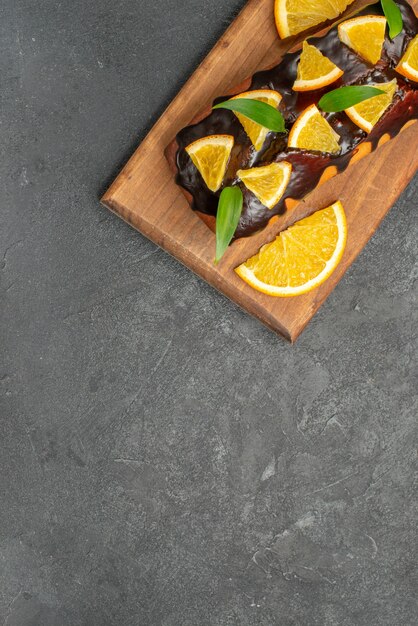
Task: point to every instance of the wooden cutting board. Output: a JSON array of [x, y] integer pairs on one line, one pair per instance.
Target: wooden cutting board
[[145, 194]]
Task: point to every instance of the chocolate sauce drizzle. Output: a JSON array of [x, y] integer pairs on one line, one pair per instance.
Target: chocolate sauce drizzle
[[307, 166]]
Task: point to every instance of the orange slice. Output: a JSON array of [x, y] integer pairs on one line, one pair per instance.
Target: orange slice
[[211, 156], [301, 258], [294, 16], [408, 65], [365, 35], [256, 132], [367, 113], [268, 182], [311, 131], [315, 70]]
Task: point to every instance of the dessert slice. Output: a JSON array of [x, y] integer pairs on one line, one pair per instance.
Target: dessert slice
[[210, 156], [268, 182], [368, 113], [311, 131], [294, 16], [365, 35], [408, 65], [301, 257], [315, 70], [256, 132]]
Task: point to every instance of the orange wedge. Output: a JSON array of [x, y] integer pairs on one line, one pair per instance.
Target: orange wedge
[[367, 113], [268, 182], [256, 132], [365, 35], [294, 16], [301, 258], [408, 65], [211, 156], [315, 70], [311, 131]]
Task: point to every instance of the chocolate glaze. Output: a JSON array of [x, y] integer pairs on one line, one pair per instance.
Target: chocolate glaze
[[308, 166]]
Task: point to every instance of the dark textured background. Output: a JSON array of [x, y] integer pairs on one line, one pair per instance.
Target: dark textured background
[[165, 459]]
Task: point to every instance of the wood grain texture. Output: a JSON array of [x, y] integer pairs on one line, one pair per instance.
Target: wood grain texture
[[145, 194]]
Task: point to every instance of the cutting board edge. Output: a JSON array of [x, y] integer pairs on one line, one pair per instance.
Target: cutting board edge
[[113, 205]]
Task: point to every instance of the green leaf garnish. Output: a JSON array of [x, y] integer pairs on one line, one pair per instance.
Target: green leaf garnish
[[346, 97], [394, 17], [257, 111], [227, 218]]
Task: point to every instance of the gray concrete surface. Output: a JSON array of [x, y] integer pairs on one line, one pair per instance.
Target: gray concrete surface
[[165, 459]]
